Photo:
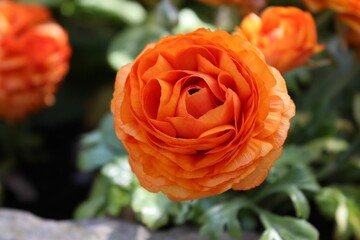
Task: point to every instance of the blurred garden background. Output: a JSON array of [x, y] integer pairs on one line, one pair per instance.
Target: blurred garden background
[[65, 162]]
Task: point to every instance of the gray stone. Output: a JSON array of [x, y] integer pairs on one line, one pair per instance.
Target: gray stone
[[19, 225]]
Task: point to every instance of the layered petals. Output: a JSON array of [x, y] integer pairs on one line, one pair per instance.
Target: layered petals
[[286, 35], [201, 113]]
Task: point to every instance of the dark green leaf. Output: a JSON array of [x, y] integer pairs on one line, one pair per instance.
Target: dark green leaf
[[288, 228], [94, 157], [223, 216], [130, 12], [109, 136]]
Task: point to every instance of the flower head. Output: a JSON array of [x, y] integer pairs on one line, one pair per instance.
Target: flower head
[[286, 35], [34, 56], [201, 113]]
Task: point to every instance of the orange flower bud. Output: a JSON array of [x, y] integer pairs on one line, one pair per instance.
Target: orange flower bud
[[286, 35], [34, 57]]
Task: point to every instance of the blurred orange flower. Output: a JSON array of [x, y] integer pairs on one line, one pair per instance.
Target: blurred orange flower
[[34, 57], [286, 35], [201, 113], [348, 12]]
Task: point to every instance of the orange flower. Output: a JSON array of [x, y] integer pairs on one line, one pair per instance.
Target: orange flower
[[34, 56], [286, 35], [201, 113], [348, 12]]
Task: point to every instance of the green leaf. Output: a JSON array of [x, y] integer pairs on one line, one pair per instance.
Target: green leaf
[[117, 199], [93, 206], [342, 204], [109, 137], [100, 147], [287, 228], [298, 177], [270, 234], [327, 201], [130, 12], [356, 108], [189, 21], [300, 202], [150, 208], [221, 216], [294, 154], [90, 208], [128, 44], [50, 3], [119, 173], [354, 217], [94, 157]]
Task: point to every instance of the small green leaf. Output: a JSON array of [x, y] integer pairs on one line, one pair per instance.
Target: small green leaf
[[270, 234], [356, 108], [327, 201], [298, 176], [95, 157], [128, 44], [96, 202], [288, 228], [90, 208], [130, 12], [221, 216], [300, 202], [341, 204], [109, 137], [150, 208], [119, 173], [117, 199], [354, 217], [189, 21]]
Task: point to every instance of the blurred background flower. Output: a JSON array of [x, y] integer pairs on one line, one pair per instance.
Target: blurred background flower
[[286, 35], [34, 56]]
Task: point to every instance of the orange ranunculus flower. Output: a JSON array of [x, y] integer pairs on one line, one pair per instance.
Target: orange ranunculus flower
[[286, 35], [201, 113], [348, 12], [34, 57]]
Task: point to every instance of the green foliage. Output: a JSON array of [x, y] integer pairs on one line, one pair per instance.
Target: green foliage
[[223, 216], [283, 228], [341, 203], [130, 12]]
